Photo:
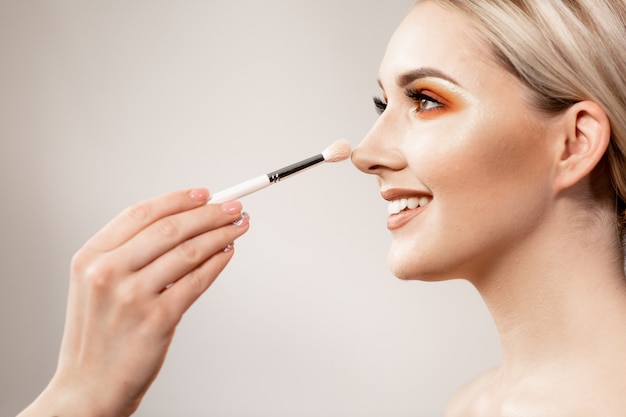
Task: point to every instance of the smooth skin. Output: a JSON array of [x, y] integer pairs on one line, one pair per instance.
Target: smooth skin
[[130, 285], [512, 211]]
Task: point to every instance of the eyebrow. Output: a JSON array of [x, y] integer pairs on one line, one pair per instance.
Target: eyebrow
[[408, 77]]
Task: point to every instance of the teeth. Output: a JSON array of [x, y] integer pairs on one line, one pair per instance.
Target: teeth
[[396, 206]]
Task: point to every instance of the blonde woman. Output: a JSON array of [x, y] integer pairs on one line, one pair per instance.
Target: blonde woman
[[499, 147]]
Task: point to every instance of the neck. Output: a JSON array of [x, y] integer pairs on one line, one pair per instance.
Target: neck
[[558, 300]]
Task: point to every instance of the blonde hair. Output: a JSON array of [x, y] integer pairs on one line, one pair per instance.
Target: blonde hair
[[564, 51]]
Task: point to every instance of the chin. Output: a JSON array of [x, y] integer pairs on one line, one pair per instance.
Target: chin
[[415, 266], [408, 267]]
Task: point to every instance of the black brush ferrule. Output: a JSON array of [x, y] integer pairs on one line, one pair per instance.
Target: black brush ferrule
[[294, 168]]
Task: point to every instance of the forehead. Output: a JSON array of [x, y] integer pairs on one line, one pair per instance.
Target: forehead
[[432, 36]]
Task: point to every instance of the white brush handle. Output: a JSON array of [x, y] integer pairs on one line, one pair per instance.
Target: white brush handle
[[240, 190]]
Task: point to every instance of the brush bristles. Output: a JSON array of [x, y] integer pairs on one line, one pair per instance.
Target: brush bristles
[[338, 151]]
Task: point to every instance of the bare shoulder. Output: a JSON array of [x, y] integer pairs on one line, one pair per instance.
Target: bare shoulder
[[471, 399], [569, 395]]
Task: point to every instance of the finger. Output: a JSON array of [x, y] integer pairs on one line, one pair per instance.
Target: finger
[[167, 233], [182, 294], [190, 254], [137, 217]]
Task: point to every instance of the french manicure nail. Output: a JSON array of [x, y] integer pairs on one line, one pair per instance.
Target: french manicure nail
[[228, 247], [243, 219]]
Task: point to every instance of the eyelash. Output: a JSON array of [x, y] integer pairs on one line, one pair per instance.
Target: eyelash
[[380, 105], [415, 95]]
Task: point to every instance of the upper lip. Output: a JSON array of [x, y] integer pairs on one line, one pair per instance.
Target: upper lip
[[391, 194]]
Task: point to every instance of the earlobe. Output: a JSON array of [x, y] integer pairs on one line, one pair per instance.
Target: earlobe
[[587, 133]]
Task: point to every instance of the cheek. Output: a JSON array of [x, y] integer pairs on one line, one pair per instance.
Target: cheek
[[500, 178], [490, 187], [483, 158]]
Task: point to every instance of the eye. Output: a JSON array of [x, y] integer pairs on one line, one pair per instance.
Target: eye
[[380, 105], [425, 102]]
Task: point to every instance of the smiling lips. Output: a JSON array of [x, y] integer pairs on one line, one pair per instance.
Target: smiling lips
[[410, 203], [403, 209]]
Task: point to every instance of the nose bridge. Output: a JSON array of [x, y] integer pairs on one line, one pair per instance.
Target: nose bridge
[[379, 149]]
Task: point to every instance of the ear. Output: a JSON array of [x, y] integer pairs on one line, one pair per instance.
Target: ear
[[587, 133]]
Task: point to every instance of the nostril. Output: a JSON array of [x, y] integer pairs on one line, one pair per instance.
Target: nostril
[[374, 155], [375, 161], [361, 160]]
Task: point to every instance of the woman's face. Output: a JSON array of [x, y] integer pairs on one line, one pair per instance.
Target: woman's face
[[457, 138]]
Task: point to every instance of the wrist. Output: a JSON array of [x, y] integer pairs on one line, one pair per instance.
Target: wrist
[[61, 399]]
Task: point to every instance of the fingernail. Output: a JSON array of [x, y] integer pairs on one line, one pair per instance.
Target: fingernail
[[231, 207], [242, 220], [228, 247], [199, 194]]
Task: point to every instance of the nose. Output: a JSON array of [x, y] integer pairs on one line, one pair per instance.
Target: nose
[[378, 151]]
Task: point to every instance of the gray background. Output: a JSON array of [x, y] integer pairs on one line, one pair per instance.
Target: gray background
[[105, 103]]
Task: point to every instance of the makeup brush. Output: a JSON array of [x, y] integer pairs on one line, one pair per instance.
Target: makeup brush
[[338, 151]]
